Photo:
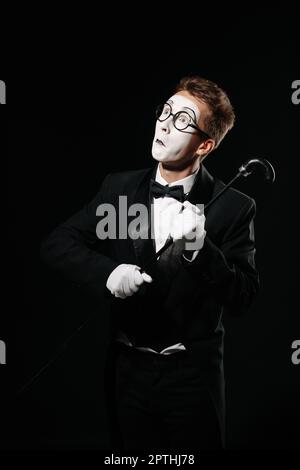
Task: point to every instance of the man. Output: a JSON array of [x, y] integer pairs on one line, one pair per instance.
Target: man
[[167, 312]]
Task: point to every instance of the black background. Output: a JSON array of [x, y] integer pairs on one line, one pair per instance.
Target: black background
[[74, 119]]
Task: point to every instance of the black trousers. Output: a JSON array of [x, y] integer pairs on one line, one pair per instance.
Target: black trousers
[[161, 403]]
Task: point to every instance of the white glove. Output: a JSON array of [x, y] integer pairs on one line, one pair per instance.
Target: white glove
[[125, 280], [188, 226]]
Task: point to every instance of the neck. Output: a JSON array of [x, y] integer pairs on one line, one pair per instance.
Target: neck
[[171, 174]]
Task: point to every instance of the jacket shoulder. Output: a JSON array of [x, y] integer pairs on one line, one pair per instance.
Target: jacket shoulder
[[233, 197]]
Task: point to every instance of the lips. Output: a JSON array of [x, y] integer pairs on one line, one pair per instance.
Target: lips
[[160, 142]]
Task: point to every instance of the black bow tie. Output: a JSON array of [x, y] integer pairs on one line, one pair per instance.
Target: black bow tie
[[158, 190]]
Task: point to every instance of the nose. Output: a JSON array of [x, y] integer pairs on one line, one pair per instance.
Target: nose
[[165, 125]]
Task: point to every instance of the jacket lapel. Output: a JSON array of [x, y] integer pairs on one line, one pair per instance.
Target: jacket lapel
[[202, 189], [143, 243]]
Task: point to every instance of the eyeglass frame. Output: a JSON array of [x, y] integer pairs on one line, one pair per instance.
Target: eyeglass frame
[[194, 126]]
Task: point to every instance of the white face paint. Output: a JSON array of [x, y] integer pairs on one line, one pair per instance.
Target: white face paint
[[170, 144]]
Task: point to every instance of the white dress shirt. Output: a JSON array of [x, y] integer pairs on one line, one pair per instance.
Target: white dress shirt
[[162, 221]]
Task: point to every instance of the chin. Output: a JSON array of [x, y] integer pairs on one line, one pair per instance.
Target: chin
[[158, 156], [161, 156]]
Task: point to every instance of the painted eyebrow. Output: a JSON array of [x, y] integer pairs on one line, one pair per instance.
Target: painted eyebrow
[[185, 107]]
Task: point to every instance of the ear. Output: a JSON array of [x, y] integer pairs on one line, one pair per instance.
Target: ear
[[205, 148]]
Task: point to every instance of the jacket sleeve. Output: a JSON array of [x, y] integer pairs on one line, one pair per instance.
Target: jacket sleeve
[[228, 272], [70, 248]]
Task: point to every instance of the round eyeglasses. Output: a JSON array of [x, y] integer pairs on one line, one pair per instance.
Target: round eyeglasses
[[181, 120]]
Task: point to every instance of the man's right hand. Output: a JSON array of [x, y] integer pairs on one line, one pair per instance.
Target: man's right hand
[[125, 280]]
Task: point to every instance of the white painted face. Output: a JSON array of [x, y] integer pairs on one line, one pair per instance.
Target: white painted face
[[170, 144]]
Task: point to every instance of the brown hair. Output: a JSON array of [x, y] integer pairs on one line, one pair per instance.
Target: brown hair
[[220, 118]]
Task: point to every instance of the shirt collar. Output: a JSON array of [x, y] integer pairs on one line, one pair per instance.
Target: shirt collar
[[186, 182]]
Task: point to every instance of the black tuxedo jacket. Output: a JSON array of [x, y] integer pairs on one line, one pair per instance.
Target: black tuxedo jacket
[[185, 303]]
